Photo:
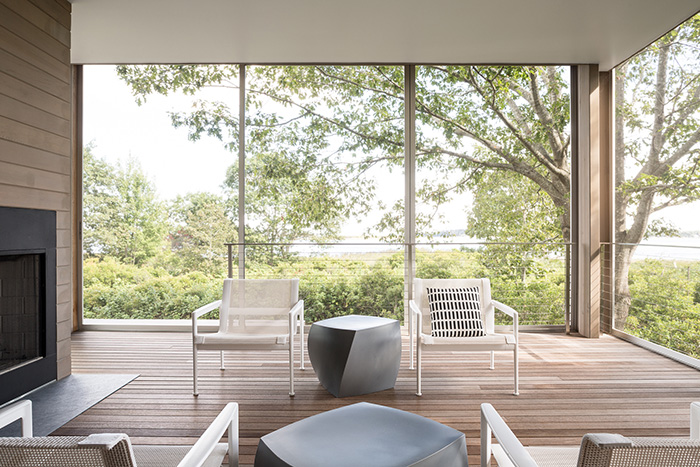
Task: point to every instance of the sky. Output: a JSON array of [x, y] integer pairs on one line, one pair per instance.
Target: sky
[[120, 129]]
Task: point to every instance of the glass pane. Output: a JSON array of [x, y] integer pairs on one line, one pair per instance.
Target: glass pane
[[493, 182], [657, 185], [159, 140], [325, 184]]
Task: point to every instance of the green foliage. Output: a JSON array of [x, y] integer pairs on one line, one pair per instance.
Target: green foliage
[[366, 284], [122, 216], [665, 309], [314, 133], [199, 229], [119, 291]]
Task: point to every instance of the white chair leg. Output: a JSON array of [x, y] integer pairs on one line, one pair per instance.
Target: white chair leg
[[410, 340], [301, 335], [515, 369], [419, 391], [291, 369], [695, 420], [492, 360], [195, 392], [222, 367]]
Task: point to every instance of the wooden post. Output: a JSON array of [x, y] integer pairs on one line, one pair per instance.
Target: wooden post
[[592, 194]]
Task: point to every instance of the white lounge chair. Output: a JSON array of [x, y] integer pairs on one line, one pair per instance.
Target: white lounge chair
[[596, 449], [115, 449], [425, 335], [254, 314]]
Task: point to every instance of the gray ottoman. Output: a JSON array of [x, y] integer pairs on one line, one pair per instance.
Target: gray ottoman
[[354, 355], [363, 434]]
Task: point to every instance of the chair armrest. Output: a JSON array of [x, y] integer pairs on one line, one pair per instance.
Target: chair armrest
[[227, 420], [695, 420], [504, 308], [296, 311], [607, 440], [415, 310], [21, 410], [492, 423], [102, 440], [510, 312], [202, 311]]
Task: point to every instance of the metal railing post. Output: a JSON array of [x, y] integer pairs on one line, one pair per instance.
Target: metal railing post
[[567, 290]]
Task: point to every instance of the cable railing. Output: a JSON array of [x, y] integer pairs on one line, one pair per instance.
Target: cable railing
[[370, 277], [656, 293]]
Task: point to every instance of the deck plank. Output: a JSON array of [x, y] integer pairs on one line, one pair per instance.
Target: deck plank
[[569, 386]]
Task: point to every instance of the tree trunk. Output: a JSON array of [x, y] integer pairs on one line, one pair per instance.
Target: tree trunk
[[623, 297], [627, 237]]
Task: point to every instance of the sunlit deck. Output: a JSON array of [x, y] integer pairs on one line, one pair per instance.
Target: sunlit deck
[[569, 386]]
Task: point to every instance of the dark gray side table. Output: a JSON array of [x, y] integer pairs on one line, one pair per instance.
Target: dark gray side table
[[363, 434], [354, 355]]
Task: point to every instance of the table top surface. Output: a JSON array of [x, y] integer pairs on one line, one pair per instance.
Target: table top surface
[[359, 433], [354, 322]]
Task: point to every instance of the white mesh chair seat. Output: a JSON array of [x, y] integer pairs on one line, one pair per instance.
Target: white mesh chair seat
[[489, 340], [254, 314], [233, 339], [476, 294]]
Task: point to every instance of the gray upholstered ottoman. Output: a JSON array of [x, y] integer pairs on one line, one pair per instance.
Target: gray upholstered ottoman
[[354, 355], [363, 435]]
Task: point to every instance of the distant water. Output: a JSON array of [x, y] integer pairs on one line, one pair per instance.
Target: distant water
[[679, 248], [672, 248]]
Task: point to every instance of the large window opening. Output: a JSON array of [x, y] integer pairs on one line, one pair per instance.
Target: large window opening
[[324, 184], [657, 188]]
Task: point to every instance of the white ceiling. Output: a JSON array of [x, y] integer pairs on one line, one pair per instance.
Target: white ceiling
[[370, 31]]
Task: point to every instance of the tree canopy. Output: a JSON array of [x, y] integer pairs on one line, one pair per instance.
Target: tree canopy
[[122, 216]]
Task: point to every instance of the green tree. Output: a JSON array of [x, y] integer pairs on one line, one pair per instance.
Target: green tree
[[657, 131], [199, 228], [122, 216], [473, 119], [520, 220]]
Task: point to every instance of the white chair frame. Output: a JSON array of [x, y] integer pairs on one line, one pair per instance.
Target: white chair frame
[[224, 423], [420, 338], [295, 317], [508, 451]]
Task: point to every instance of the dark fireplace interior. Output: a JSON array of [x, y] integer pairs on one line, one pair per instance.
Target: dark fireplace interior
[[21, 309], [27, 300]]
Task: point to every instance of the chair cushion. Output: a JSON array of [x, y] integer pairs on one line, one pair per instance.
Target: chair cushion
[[455, 312]]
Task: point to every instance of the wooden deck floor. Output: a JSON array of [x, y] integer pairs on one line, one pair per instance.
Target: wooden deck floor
[[569, 386]]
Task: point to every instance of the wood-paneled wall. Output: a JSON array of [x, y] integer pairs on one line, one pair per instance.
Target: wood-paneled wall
[[35, 130]]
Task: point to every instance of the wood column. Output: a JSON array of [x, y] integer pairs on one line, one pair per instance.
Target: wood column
[[592, 196], [77, 196]]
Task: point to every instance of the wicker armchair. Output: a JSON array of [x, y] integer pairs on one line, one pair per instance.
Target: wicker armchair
[[114, 449], [596, 449]]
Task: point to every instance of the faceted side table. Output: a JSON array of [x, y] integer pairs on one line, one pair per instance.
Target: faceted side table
[[363, 434], [354, 355]]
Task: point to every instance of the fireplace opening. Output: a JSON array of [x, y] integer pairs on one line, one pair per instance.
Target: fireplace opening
[[22, 309], [28, 344]]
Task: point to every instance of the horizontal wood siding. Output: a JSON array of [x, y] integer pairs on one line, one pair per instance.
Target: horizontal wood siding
[[35, 129], [568, 386]]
